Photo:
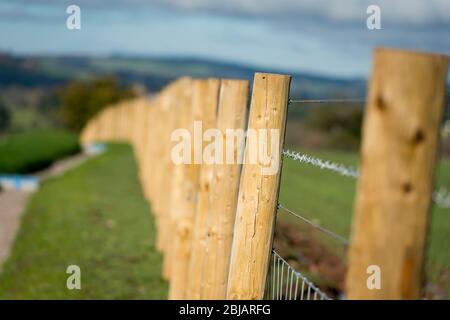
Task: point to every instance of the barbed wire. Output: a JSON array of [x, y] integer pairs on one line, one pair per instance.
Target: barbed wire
[[314, 225], [295, 286], [322, 164], [441, 197]]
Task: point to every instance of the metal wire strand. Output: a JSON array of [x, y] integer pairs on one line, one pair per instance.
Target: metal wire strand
[[314, 225], [441, 197], [324, 101], [322, 164], [284, 285]]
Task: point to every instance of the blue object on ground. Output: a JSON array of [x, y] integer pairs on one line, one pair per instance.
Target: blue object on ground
[[94, 148], [18, 182]]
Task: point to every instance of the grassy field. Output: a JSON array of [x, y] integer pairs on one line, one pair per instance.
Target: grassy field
[[327, 198], [95, 217], [34, 150]]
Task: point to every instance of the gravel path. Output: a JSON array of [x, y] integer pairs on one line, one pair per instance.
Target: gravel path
[[12, 203]]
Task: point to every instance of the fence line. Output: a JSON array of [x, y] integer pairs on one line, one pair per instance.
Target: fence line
[[173, 189]]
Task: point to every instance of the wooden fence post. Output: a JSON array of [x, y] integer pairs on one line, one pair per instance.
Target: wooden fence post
[[183, 205], [258, 191], [159, 174], [138, 135], [398, 156], [181, 93], [169, 105], [88, 134], [232, 114], [147, 140], [162, 174], [102, 126], [207, 94], [112, 122]]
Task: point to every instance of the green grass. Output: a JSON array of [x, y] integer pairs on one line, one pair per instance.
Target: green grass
[[34, 150], [95, 217], [327, 198]]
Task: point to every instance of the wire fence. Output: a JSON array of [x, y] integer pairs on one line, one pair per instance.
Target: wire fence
[[285, 283]]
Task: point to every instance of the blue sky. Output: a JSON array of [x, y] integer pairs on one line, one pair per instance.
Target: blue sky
[[322, 36]]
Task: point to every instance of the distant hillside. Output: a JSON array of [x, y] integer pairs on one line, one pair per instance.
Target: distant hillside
[[155, 72]]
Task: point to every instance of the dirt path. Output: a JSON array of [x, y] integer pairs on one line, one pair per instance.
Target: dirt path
[[12, 203], [61, 166]]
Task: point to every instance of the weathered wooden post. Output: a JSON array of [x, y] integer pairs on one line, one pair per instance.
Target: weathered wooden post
[[206, 96], [112, 119], [169, 108], [231, 121], [102, 125], [183, 204], [139, 133], [398, 156], [88, 134], [159, 174], [181, 93], [147, 139], [259, 186]]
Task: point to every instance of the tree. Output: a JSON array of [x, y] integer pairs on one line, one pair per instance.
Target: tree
[[5, 118], [81, 100]]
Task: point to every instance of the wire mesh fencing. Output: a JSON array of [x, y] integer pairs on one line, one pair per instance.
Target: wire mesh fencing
[[285, 283]]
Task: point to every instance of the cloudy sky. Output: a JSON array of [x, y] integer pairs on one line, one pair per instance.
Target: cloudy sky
[[321, 36]]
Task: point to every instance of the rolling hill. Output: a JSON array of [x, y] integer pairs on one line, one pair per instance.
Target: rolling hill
[[155, 72]]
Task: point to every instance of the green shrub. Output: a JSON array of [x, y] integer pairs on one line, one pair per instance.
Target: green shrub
[[81, 100], [5, 118], [35, 150], [340, 124]]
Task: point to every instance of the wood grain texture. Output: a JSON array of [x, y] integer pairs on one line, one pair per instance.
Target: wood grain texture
[[146, 137], [162, 158], [398, 155], [258, 192], [182, 106], [169, 105], [232, 114], [184, 205], [207, 95]]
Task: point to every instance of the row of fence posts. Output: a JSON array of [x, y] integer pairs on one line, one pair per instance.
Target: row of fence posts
[[215, 221]]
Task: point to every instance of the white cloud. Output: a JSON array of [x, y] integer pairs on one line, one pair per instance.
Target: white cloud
[[402, 12], [326, 36]]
